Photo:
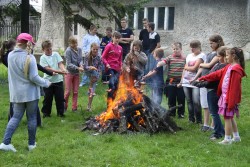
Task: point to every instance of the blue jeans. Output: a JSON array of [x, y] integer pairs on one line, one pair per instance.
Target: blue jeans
[[193, 101], [39, 121], [212, 99], [31, 114], [85, 79], [113, 81]]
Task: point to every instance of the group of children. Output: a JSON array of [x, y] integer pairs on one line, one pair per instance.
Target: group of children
[[211, 81]]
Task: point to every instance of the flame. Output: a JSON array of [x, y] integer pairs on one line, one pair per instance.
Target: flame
[[125, 90]]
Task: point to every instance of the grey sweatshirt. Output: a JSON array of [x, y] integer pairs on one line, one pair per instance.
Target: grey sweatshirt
[[73, 60], [23, 89]]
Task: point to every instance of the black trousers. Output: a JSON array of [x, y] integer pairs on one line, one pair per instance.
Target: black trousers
[[175, 94], [55, 90]]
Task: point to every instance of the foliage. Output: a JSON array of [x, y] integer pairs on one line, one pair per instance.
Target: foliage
[[115, 10], [13, 11], [60, 142]]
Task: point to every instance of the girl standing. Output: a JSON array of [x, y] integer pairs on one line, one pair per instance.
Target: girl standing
[[92, 66], [135, 62], [229, 90], [112, 60], [211, 59], [74, 65], [192, 93]]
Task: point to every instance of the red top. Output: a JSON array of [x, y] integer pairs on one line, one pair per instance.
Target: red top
[[234, 89], [112, 55]]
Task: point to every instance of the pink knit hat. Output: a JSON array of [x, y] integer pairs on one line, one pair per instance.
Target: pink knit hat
[[25, 36]]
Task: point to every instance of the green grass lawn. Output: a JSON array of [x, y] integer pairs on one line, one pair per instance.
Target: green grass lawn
[[60, 142]]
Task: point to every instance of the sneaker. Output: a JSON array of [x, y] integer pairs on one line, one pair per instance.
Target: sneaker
[[214, 137], [31, 147], [236, 139], [74, 110], [109, 90], [105, 82], [8, 147], [89, 108], [225, 142], [205, 128], [181, 116]]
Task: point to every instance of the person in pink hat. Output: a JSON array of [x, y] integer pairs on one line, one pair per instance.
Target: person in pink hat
[[24, 88]]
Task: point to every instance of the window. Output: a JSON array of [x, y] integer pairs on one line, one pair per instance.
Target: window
[[163, 17], [171, 18], [75, 28]]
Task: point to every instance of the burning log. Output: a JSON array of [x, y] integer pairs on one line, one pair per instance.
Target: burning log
[[153, 118], [130, 110]]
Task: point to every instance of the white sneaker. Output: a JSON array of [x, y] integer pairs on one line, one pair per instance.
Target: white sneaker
[[226, 142], [31, 147], [8, 147], [236, 139]]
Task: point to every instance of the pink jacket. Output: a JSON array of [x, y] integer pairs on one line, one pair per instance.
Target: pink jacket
[[112, 55]]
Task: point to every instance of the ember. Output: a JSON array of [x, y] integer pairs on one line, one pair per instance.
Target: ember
[[130, 110]]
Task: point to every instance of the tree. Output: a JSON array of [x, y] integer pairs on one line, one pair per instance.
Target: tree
[[13, 11], [115, 10]]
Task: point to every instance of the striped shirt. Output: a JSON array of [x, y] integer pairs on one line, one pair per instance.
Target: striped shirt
[[175, 65]]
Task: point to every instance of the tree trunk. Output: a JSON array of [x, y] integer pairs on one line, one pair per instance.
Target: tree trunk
[[25, 6], [53, 26]]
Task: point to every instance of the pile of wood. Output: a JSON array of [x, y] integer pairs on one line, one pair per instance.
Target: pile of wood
[[146, 116]]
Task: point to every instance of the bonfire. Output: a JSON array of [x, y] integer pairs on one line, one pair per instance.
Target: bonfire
[[131, 111]]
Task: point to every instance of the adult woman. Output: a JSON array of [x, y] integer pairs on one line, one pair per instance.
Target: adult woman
[[24, 86]]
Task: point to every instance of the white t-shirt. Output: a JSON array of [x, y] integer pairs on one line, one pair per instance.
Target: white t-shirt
[[188, 75]]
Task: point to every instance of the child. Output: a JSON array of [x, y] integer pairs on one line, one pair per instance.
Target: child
[[52, 61], [6, 48], [134, 63], [175, 64], [92, 66], [212, 97], [191, 92], [104, 43], [106, 39], [229, 90], [211, 59], [87, 40], [112, 60], [24, 87], [74, 65], [157, 78]]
